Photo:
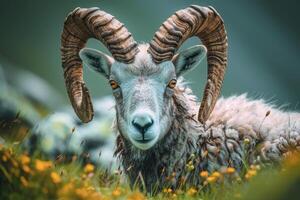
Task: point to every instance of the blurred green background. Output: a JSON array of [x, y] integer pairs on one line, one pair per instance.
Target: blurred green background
[[263, 42]]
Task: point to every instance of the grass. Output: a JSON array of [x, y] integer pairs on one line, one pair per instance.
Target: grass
[[34, 177]]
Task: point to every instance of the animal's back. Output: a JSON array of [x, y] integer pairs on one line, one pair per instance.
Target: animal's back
[[257, 115], [257, 120]]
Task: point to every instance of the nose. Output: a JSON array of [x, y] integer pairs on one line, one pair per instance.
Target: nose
[[142, 123]]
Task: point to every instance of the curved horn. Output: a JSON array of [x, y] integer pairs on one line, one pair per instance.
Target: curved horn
[[207, 25], [79, 26]]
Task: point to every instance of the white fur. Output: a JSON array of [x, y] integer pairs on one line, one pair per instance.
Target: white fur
[[242, 113]]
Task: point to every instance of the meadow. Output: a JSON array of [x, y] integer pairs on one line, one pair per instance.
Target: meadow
[[25, 176]]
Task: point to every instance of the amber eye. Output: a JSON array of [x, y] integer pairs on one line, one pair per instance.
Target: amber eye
[[172, 83], [113, 84]]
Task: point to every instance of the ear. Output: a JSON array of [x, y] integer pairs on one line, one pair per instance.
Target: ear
[[96, 60], [188, 59]]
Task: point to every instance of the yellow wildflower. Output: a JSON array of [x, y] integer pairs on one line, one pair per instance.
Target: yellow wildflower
[[91, 189], [238, 179], [83, 176], [117, 192], [82, 193], [252, 172], [4, 158], [167, 190], [192, 191], [247, 176], [42, 165], [24, 181], [246, 141], [230, 170], [65, 190], [55, 178], [204, 174], [87, 193], [136, 196], [191, 167], [216, 174], [255, 167], [25, 159], [89, 168], [26, 169], [211, 179]]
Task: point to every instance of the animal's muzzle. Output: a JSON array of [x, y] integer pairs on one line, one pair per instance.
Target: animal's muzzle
[[142, 122]]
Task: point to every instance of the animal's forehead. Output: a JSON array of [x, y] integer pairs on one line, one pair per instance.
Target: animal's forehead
[[142, 66], [123, 71]]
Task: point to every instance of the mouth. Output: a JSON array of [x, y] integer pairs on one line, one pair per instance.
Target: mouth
[[143, 141]]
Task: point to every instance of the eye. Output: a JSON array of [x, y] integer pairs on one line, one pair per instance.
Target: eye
[[172, 83], [113, 84]]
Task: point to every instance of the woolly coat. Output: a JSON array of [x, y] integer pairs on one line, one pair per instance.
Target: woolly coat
[[238, 130]]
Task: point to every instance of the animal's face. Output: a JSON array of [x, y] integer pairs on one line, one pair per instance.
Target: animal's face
[[143, 91]]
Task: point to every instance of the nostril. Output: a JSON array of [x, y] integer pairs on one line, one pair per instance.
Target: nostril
[[136, 125], [141, 125], [146, 126]]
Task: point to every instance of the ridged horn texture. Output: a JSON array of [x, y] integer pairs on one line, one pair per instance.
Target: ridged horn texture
[[208, 26], [79, 26]]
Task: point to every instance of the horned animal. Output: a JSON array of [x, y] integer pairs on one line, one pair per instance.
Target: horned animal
[[159, 126]]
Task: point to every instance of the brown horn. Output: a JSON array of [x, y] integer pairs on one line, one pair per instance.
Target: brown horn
[[207, 25], [79, 26]]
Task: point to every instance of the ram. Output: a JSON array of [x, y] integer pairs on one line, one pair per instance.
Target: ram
[[159, 126]]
